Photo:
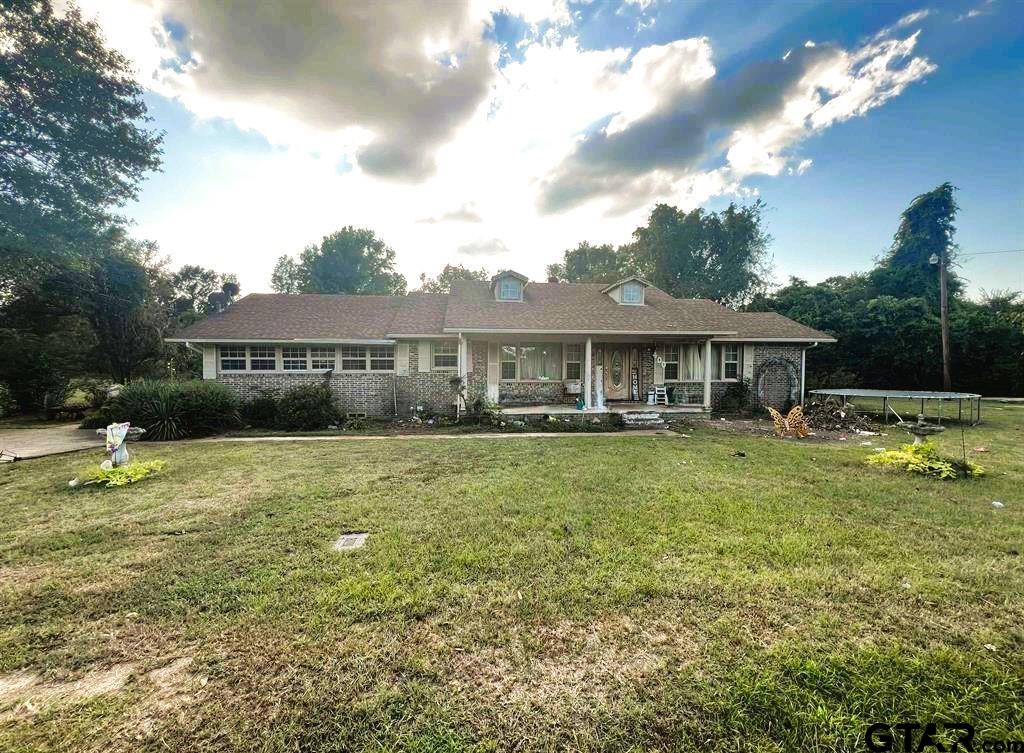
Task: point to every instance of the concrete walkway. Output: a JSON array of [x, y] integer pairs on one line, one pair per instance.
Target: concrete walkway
[[48, 440], [502, 435]]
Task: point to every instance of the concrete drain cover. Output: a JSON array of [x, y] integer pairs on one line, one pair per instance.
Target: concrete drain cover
[[350, 541]]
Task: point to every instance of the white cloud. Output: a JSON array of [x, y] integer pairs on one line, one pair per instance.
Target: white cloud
[[905, 21], [985, 9], [803, 166], [648, 151], [483, 248], [620, 128]]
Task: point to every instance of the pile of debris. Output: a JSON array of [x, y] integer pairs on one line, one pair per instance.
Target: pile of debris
[[831, 415]]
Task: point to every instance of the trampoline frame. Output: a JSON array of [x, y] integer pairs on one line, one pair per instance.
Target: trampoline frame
[[973, 400]]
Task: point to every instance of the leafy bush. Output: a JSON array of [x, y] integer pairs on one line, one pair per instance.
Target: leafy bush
[[736, 397], [171, 410], [307, 407], [120, 476], [261, 412], [925, 459]]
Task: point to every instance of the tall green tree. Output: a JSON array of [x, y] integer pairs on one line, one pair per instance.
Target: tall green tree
[[718, 255], [925, 231], [129, 306], [451, 273], [587, 263], [286, 277], [73, 144], [352, 260]]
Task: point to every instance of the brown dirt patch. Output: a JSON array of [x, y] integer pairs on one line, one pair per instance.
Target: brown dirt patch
[[555, 666], [161, 691]]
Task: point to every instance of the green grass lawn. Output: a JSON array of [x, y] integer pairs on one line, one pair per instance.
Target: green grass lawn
[[586, 593]]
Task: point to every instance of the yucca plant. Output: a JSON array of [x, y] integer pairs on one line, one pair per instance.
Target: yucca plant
[[170, 410]]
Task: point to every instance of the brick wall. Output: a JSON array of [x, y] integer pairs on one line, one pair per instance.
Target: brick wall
[[374, 394], [356, 393], [777, 373]]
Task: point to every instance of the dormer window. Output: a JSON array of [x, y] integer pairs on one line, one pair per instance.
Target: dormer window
[[633, 292], [508, 285], [628, 292], [510, 289]]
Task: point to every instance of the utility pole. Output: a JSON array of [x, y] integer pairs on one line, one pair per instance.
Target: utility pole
[[941, 259]]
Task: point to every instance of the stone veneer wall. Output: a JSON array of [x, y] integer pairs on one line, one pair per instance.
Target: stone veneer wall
[[372, 393]]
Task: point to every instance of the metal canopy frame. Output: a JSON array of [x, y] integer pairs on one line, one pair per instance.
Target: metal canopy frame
[[973, 400]]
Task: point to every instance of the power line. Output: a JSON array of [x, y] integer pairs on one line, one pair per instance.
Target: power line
[[988, 253]]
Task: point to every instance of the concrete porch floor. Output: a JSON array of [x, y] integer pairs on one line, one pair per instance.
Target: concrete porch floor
[[616, 407]]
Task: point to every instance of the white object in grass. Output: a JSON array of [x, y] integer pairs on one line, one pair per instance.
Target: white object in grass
[[350, 541]]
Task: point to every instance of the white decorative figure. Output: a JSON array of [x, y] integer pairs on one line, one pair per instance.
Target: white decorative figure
[[116, 446]]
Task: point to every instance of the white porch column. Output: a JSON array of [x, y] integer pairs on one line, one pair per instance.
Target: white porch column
[[707, 374], [803, 372], [463, 373], [588, 378]]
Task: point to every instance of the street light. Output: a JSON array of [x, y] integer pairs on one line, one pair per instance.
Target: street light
[[940, 260]]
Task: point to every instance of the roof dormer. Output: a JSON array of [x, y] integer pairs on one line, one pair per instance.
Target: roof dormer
[[628, 292], [508, 285]]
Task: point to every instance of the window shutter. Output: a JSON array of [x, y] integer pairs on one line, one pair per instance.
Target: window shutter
[[492, 372], [209, 362], [402, 359], [748, 362], [424, 355], [659, 365]]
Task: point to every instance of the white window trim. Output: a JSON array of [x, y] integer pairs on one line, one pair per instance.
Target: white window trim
[[721, 366], [519, 345], [279, 360], [622, 294], [566, 361], [434, 354], [501, 288]]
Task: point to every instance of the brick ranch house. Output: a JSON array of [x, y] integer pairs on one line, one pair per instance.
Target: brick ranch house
[[528, 347]]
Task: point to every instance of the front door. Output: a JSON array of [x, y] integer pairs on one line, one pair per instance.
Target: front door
[[616, 372]]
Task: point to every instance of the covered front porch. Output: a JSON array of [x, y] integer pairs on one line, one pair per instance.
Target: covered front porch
[[562, 409], [526, 374]]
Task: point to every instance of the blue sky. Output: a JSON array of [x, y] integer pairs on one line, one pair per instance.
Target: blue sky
[[497, 134]]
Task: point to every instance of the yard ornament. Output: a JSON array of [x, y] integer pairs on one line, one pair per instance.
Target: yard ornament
[[794, 423], [116, 445]]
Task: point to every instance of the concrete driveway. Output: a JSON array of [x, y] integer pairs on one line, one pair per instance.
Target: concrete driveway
[[48, 440]]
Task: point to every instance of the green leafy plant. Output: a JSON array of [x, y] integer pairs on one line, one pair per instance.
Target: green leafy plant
[[306, 408], [170, 410], [121, 475], [736, 398], [261, 412], [925, 459]]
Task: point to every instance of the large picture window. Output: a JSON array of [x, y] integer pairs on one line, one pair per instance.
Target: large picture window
[[692, 364], [445, 356], [531, 362]]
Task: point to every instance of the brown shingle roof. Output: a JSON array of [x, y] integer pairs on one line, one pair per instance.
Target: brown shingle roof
[[420, 314], [280, 316], [770, 324], [546, 307], [580, 307]]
